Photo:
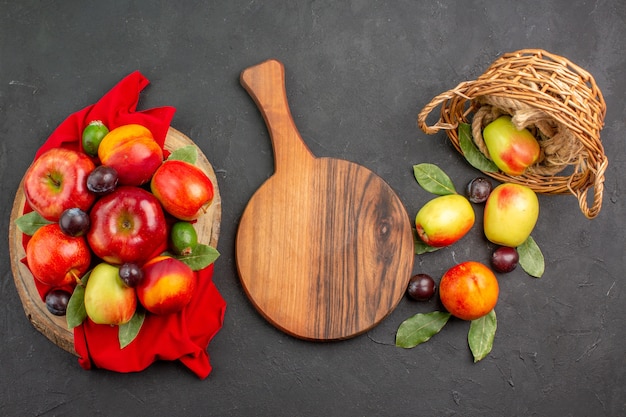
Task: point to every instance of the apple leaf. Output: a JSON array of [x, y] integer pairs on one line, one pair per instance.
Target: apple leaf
[[420, 328], [481, 333], [530, 258], [29, 223], [76, 313], [187, 153], [420, 246], [432, 179], [202, 256], [471, 152], [127, 332]]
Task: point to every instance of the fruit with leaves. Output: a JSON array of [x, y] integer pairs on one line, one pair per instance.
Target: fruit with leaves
[[183, 189], [444, 220], [469, 290], [57, 181], [127, 225], [512, 150], [56, 259], [132, 151], [510, 215], [107, 299], [167, 286]]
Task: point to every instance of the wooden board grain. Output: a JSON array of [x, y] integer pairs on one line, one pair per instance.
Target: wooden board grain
[[324, 247], [55, 327]]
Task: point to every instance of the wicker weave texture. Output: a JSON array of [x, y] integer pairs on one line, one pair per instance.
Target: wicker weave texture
[[555, 99]]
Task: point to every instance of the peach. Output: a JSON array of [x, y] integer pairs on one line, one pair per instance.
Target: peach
[[167, 285], [469, 290], [132, 151]]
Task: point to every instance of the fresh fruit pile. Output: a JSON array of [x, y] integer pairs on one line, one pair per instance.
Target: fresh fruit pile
[[111, 234], [469, 290]]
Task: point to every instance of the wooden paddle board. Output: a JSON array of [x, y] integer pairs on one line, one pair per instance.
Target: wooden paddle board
[[324, 248]]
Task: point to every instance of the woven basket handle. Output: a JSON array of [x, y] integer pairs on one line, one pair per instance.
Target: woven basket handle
[[458, 91], [598, 189]]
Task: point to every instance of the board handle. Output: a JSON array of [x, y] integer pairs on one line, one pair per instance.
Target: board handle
[[265, 82]]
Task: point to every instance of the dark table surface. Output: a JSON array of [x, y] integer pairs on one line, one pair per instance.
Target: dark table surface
[[358, 72]]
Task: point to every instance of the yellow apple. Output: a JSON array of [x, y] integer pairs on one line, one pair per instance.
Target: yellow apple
[[511, 212], [444, 220], [512, 150], [107, 299]]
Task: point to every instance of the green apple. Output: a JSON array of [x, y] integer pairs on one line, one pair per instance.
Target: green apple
[[512, 150], [511, 212], [107, 299], [444, 220]]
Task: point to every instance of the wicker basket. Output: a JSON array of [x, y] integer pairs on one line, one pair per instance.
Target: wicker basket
[[555, 99]]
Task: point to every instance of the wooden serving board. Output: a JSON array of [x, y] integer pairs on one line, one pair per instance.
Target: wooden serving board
[[324, 248], [55, 327]]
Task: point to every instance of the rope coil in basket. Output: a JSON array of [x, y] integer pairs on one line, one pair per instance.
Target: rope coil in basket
[[556, 100]]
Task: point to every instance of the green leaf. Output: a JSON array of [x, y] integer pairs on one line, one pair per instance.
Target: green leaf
[[420, 246], [127, 332], [201, 257], [471, 152], [420, 328], [481, 333], [29, 223], [187, 153], [530, 258], [76, 313], [432, 179]]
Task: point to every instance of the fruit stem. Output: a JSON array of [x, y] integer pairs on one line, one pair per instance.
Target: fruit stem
[[76, 277], [56, 182]]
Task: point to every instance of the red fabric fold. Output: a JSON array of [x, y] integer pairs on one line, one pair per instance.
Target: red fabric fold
[[183, 336]]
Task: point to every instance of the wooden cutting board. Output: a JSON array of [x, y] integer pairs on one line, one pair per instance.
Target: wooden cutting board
[[324, 248], [55, 327]]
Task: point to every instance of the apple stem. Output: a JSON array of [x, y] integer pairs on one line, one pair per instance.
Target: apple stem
[[54, 181], [76, 277]]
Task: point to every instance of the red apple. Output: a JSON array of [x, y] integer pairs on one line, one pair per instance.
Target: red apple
[[127, 225], [167, 285], [183, 189], [55, 258], [107, 299], [57, 181], [132, 151]]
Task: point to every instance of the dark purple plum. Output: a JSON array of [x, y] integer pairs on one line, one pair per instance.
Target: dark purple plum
[[130, 274], [102, 180], [74, 222], [504, 259], [478, 190], [421, 287], [56, 301]]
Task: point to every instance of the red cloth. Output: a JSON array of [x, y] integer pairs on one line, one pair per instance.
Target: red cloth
[[182, 336]]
